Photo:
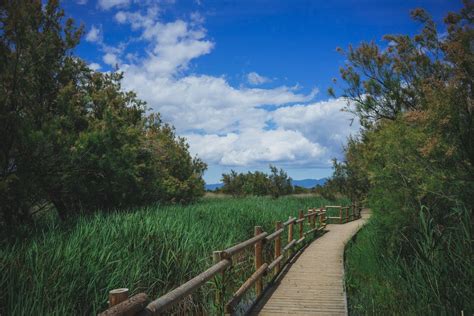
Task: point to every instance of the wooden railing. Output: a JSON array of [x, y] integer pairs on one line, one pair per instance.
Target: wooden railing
[[346, 213], [120, 304]]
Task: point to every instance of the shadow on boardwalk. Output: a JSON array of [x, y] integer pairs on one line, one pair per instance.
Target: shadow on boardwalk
[[314, 283]]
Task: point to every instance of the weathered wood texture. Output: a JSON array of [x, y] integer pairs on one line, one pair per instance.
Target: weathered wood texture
[[314, 284]]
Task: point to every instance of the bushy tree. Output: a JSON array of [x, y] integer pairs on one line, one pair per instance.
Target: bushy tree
[[72, 137], [257, 183], [280, 183], [414, 98]]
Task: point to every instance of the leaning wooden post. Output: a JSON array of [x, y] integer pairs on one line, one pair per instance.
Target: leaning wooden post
[[258, 260], [301, 223], [117, 296], [340, 215], [278, 225], [220, 283]]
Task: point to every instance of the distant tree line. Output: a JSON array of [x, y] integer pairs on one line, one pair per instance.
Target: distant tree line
[[276, 184], [72, 138]]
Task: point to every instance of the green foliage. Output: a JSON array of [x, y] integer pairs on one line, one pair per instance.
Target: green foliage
[[63, 270], [416, 151], [301, 190], [435, 279], [257, 183], [280, 183], [71, 137]]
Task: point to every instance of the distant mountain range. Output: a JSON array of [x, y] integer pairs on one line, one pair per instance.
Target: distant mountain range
[[309, 183], [305, 183]]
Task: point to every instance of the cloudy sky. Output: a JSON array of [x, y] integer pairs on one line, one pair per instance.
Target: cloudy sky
[[244, 81]]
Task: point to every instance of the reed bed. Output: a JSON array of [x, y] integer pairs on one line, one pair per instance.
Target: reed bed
[[69, 269]]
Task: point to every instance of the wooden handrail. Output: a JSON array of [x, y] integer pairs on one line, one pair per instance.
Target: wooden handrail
[[166, 301], [289, 245], [274, 263], [257, 275], [291, 220], [229, 252], [300, 220], [274, 234], [130, 306]]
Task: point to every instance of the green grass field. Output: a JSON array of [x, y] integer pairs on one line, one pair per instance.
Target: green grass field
[[68, 269]]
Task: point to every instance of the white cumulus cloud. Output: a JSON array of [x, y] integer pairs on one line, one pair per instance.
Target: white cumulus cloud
[[322, 122], [94, 66], [108, 4], [94, 35], [255, 79], [225, 124], [111, 59]]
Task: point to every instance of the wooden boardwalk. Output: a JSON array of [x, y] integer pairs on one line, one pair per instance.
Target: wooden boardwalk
[[314, 283]]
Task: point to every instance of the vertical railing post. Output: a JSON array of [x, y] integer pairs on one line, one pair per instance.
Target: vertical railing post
[[290, 236], [300, 216], [117, 296], [220, 284], [313, 218], [340, 215], [278, 225], [258, 260], [321, 217], [347, 214]]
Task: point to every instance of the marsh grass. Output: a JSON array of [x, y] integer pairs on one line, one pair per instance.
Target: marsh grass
[[69, 269], [435, 275]]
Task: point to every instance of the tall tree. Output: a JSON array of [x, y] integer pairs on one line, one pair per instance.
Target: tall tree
[[72, 137]]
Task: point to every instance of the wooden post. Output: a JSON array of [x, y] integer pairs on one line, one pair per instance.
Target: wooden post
[[340, 215], [117, 296], [301, 223], [320, 216], [258, 261], [347, 215], [313, 218], [278, 225], [220, 285], [290, 231], [290, 236]]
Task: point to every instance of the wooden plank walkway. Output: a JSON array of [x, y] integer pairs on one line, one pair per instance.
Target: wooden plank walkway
[[314, 283]]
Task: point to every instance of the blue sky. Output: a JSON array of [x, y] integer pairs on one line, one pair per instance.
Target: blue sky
[[244, 81]]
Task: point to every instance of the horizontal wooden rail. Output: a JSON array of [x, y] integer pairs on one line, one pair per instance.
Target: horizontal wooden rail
[[131, 306], [274, 263], [229, 252], [313, 230], [230, 306], [166, 301], [290, 244], [300, 240], [289, 221], [346, 213], [274, 235], [299, 220]]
